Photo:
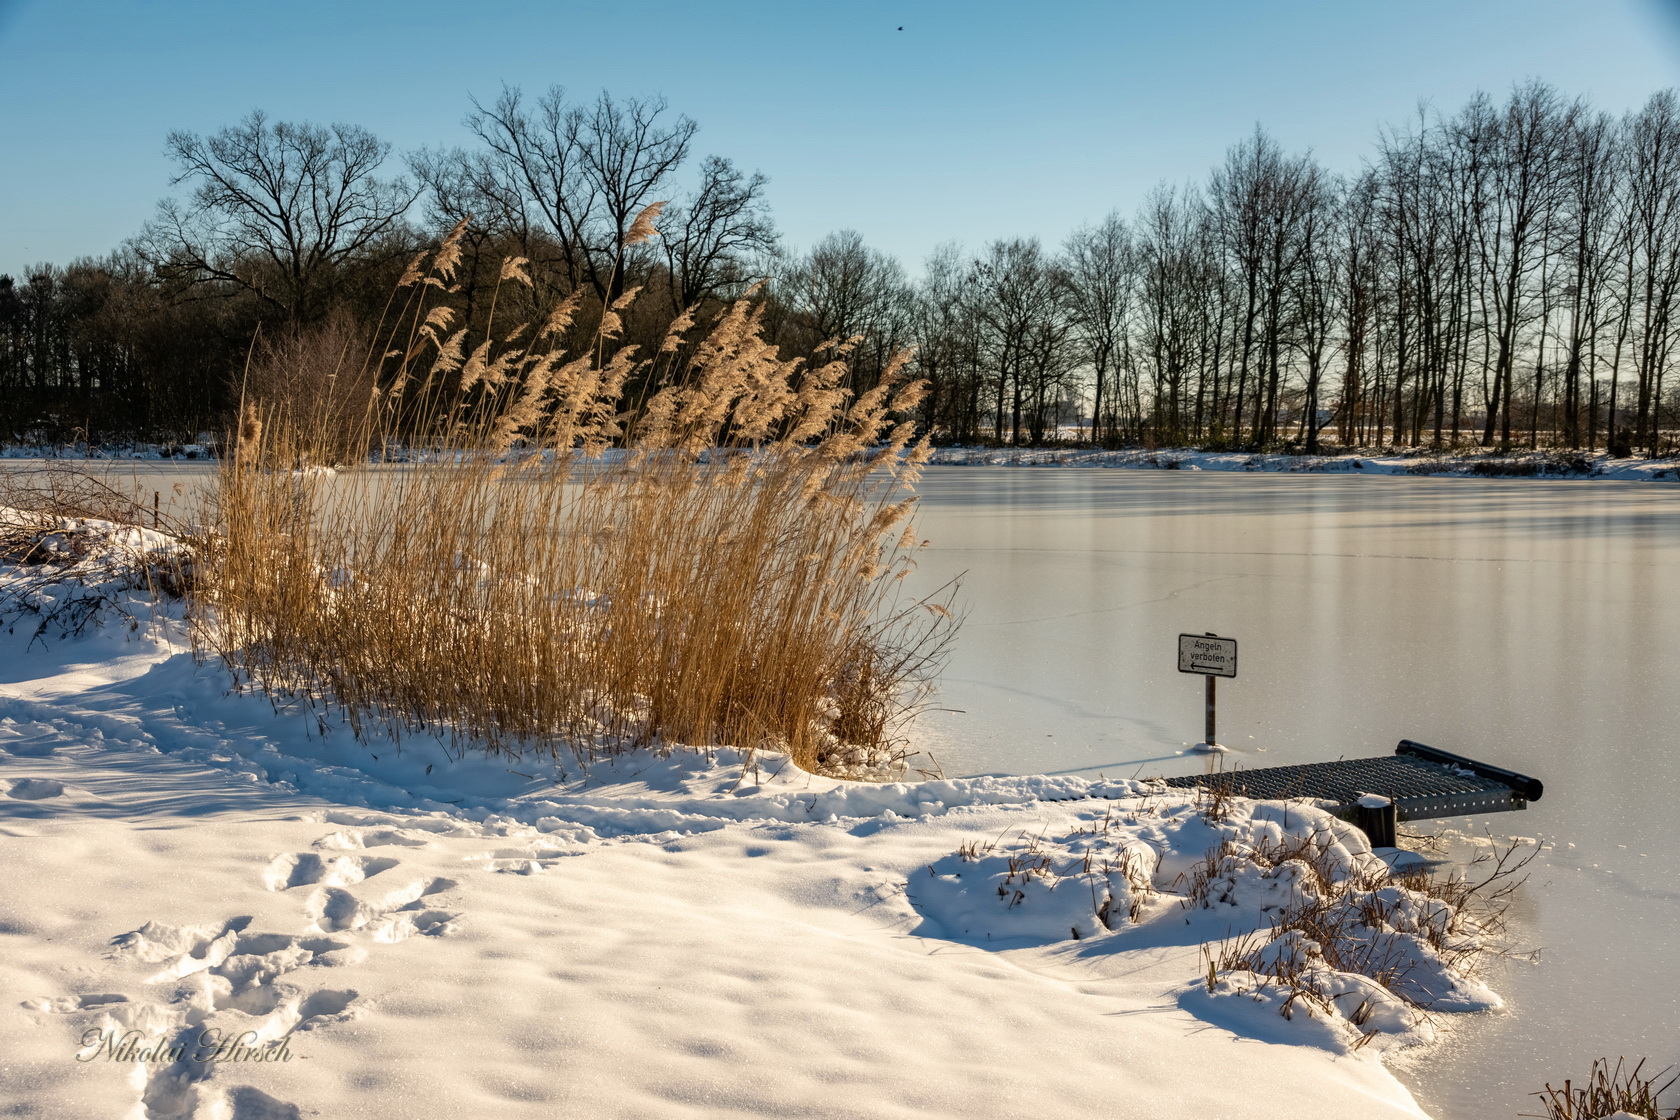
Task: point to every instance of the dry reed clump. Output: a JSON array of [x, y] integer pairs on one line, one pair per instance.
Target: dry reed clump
[[541, 560], [1608, 1093], [74, 543]]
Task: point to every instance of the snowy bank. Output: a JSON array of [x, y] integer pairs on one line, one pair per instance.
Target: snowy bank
[[206, 446], [1536, 464], [217, 908], [1417, 461]]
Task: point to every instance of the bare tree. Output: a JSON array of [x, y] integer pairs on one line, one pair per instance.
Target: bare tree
[[942, 324], [1593, 183], [584, 171], [1023, 331], [1653, 200], [1174, 269], [843, 291], [276, 209], [709, 236], [1100, 275], [1316, 295], [1260, 199], [1237, 198], [1360, 296], [1515, 234]]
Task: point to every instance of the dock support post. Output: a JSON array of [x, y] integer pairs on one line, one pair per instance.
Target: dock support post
[[1378, 822]]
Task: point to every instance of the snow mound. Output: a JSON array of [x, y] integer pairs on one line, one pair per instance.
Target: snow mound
[[1296, 917]]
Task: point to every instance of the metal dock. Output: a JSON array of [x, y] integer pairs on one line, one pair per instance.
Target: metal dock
[[1421, 782]]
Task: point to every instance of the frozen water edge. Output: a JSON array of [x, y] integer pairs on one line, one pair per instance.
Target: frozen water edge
[[1551, 465], [1420, 461], [657, 935]]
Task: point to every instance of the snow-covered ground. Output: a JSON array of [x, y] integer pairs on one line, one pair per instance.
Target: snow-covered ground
[[666, 934]]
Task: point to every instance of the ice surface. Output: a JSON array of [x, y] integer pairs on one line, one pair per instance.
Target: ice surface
[[1525, 622]]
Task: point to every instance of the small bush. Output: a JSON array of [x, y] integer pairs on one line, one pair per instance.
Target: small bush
[[320, 377], [1415, 934], [1364, 950], [74, 544]]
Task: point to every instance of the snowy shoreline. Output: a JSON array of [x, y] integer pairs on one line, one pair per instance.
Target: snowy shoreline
[[656, 934], [1542, 464], [1552, 465]]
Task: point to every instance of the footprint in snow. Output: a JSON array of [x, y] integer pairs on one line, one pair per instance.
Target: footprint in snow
[[389, 916], [309, 869], [373, 838], [239, 981], [67, 1005], [246, 985], [32, 789], [20, 744]]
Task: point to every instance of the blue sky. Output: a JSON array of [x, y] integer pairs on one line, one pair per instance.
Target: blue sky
[[978, 120]]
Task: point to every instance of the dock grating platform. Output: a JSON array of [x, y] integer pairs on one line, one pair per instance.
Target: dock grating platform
[[1423, 782]]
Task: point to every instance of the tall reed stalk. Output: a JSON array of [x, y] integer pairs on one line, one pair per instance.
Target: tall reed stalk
[[531, 560]]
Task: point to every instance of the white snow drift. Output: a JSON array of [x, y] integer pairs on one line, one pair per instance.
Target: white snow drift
[[282, 923]]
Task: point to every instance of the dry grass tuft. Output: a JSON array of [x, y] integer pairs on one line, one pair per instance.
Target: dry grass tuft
[[1608, 1092], [543, 558]]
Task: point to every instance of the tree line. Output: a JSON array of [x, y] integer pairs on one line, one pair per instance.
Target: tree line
[[1504, 275]]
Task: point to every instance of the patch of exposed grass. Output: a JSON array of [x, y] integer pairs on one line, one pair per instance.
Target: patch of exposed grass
[[1608, 1092]]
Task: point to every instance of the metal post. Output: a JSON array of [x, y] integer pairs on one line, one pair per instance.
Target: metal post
[[1378, 821], [1211, 657], [1210, 740]]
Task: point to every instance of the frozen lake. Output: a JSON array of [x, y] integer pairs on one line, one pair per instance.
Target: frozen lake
[[1531, 624]]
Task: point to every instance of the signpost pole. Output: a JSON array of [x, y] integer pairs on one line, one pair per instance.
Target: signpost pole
[[1210, 737], [1212, 657]]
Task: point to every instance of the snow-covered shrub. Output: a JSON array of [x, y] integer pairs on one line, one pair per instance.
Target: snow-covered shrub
[[1296, 916], [1042, 889], [74, 554]]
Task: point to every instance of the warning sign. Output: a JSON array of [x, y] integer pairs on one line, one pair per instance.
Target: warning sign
[[1207, 655]]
